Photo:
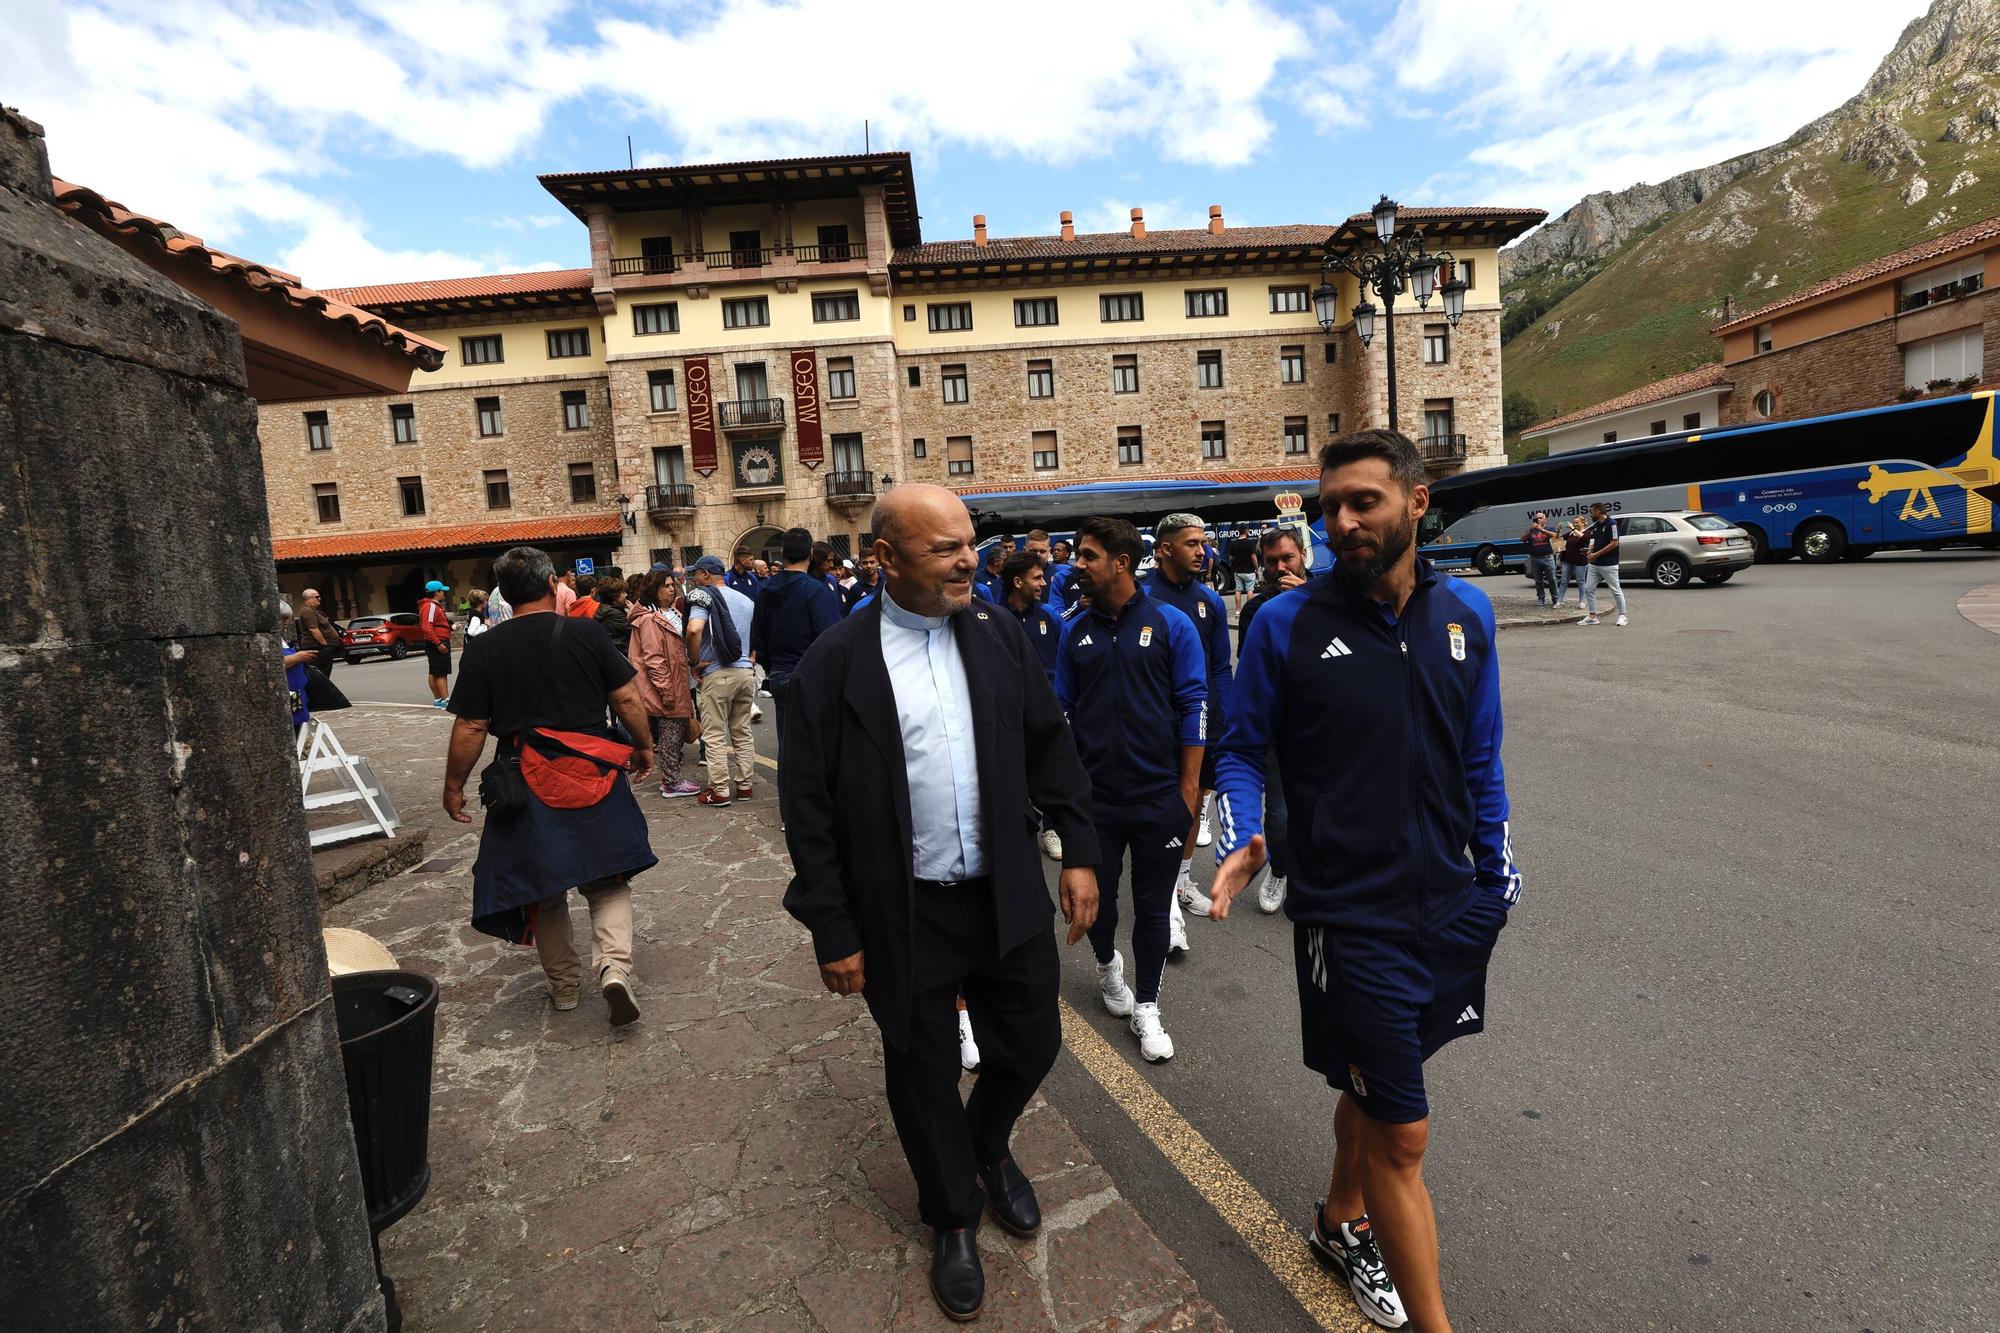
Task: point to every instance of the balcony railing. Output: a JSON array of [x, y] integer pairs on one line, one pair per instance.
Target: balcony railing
[[644, 264], [829, 254], [740, 258], [749, 413], [631, 265], [669, 497], [1443, 448], [855, 486]]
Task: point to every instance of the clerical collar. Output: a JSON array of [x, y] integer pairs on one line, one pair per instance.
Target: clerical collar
[[897, 616]]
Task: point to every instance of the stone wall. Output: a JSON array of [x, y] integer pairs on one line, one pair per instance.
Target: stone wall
[[178, 1153], [1839, 373]]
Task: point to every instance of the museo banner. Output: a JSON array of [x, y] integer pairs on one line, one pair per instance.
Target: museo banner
[[701, 415], [805, 398]]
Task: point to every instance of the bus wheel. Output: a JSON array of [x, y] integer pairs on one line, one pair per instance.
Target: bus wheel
[[1489, 561], [1669, 571], [1819, 542]]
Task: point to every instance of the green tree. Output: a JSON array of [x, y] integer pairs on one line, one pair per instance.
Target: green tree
[[1518, 411]]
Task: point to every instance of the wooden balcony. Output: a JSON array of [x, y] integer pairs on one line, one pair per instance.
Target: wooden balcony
[[746, 263]]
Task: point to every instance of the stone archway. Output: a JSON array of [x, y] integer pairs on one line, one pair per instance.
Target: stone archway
[[763, 543]]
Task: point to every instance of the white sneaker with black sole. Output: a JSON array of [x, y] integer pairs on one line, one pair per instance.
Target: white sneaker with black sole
[[1154, 1043], [1111, 987], [1271, 893], [1177, 941], [968, 1049], [1621, 621], [1192, 899], [1204, 835], [1354, 1255]]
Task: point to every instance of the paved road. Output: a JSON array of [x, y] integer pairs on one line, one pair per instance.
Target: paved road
[[1741, 1055]]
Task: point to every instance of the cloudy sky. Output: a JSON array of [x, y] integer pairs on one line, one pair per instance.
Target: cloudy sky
[[379, 140]]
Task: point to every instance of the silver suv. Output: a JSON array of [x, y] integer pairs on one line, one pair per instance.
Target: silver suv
[[1670, 547]]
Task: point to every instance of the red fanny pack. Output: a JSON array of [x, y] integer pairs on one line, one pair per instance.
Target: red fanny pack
[[571, 770]]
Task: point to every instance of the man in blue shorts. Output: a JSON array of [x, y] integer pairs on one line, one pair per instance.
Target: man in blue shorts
[[1379, 689]]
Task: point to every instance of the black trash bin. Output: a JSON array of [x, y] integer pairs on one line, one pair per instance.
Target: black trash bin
[[388, 1023]]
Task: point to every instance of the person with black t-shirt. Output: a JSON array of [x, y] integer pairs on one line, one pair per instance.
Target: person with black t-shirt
[[540, 672]]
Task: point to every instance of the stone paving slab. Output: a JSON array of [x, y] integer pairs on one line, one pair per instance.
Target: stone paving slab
[[729, 1161], [1981, 606]]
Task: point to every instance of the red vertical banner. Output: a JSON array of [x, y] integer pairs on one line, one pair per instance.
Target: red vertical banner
[[805, 399], [701, 415]]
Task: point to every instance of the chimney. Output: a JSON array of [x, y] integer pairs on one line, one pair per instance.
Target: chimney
[[1068, 225], [1215, 219], [979, 229], [1138, 224]]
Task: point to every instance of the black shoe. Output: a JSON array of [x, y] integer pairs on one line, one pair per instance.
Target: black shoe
[[1012, 1197], [957, 1280]]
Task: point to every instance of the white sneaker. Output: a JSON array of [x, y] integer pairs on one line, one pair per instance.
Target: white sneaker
[[1204, 835], [1051, 844], [1589, 620], [1623, 621], [1355, 1257], [968, 1049], [756, 713], [618, 999], [1189, 895], [1154, 1043], [1111, 987], [1271, 893], [1176, 928]]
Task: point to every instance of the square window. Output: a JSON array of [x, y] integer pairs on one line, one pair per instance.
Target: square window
[[568, 342], [1041, 379], [1214, 440], [1035, 312], [956, 389], [1290, 300], [832, 307], [1121, 308], [916, 377], [1044, 445], [1437, 344], [958, 455], [582, 483], [1611, 437], [403, 422], [1125, 374], [412, 489], [1692, 421], [664, 317], [918, 448], [1295, 435], [749, 312], [1207, 302], [319, 435], [660, 391], [1657, 428], [840, 377], [669, 466], [690, 554], [498, 494], [951, 317], [489, 415], [576, 409], [909, 314], [1131, 446], [326, 499], [484, 351], [1291, 365], [1208, 370]]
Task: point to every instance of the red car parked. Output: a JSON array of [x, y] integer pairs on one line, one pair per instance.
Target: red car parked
[[396, 635]]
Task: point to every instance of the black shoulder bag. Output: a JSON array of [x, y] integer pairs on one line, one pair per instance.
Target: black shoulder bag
[[503, 792]]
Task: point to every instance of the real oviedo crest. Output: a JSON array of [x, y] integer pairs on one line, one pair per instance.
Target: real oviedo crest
[[1146, 637], [1457, 633]]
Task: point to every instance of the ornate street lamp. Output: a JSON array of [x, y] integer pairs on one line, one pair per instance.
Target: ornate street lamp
[[1404, 264]]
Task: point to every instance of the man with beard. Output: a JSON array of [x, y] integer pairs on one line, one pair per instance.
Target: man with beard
[[1380, 690], [923, 732], [1181, 552]]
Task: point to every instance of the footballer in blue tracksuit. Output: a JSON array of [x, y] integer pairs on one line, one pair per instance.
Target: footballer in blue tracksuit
[[1131, 676], [1025, 583], [1380, 690], [1180, 546]]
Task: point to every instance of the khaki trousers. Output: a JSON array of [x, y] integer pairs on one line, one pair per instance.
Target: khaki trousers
[[610, 903], [726, 695]]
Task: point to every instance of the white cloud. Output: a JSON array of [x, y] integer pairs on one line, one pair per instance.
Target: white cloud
[[1161, 215]]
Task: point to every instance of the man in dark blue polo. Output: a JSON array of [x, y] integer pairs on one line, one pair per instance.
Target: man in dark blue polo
[[1180, 552], [743, 575], [1131, 678]]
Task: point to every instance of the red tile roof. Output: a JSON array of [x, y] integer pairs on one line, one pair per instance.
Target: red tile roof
[[1923, 251], [348, 544], [1305, 475], [462, 289], [90, 207], [1712, 376]]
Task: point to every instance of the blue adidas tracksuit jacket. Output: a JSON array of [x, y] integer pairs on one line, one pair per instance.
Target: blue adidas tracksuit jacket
[[1134, 688], [1204, 610], [1063, 591], [1387, 732], [1044, 630]]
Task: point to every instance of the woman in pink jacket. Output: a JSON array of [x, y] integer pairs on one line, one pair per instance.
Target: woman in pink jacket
[[660, 657]]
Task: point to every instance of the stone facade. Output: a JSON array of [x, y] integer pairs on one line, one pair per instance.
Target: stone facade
[[1861, 367]]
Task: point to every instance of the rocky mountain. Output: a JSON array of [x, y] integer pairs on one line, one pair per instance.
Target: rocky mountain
[[1623, 287]]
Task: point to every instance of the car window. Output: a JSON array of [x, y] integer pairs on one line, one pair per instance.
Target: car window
[[1638, 527], [403, 618], [1709, 522], [364, 622]]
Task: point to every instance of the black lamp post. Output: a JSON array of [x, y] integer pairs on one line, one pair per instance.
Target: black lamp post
[[1403, 264]]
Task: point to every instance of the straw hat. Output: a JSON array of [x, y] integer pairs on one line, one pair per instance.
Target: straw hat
[[354, 951]]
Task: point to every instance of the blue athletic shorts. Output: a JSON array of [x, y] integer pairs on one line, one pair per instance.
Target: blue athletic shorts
[[1372, 1010]]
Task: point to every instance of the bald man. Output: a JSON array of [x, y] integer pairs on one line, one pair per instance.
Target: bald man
[[922, 736]]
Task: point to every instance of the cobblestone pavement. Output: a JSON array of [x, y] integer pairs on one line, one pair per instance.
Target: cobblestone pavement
[[728, 1162]]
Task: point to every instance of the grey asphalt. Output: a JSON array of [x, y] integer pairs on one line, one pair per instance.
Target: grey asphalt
[[1740, 1056]]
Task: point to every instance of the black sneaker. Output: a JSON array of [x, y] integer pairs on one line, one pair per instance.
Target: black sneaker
[[1351, 1252]]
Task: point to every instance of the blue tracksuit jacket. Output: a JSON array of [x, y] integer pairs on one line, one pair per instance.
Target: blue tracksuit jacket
[[1062, 590], [1204, 609], [1044, 631], [1387, 732], [1134, 689]]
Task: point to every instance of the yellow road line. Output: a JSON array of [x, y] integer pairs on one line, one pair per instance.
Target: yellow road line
[[1273, 1240], [768, 763]]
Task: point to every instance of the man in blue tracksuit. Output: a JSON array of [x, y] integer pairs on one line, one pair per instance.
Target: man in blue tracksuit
[[1380, 690], [1131, 677], [1062, 578], [1026, 584], [1180, 551]]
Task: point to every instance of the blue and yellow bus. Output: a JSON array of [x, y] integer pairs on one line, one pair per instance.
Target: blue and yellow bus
[[1822, 489]]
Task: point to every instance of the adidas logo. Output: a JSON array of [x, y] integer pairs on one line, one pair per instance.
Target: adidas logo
[[1470, 1015], [1175, 843], [1083, 642], [1336, 649]]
